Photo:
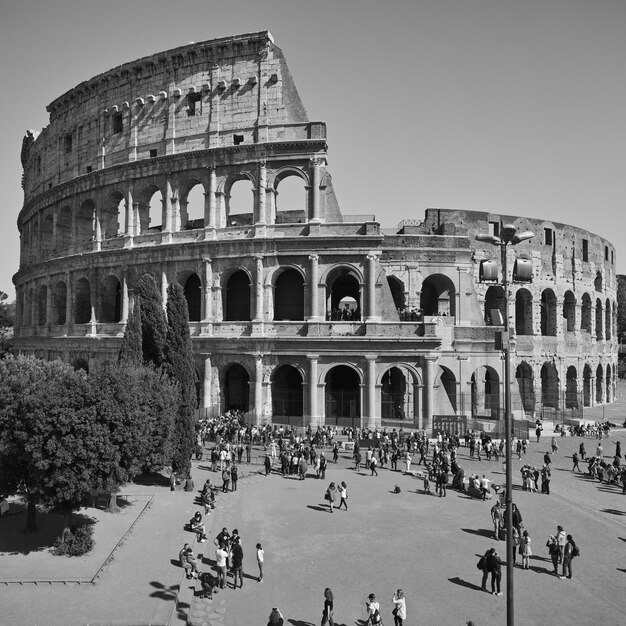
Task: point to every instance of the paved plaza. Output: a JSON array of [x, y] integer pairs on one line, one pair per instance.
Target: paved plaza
[[428, 546]]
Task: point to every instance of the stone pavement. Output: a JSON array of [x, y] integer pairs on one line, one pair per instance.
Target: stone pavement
[[427, 545]]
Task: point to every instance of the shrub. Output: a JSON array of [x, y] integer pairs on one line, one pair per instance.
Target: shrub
[[75, 541]]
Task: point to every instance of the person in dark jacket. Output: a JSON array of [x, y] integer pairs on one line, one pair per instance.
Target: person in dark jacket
[[237, 563], [493, 565]]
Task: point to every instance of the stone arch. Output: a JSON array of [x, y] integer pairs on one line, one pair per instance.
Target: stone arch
[[111, 300], [64, 239], [42, 305], [113, 215], [82, 301], [47, 245], [287, 391], [343, 294], [571, 388], [569, 311], [526, 386], [523, 312], [549, 385], [59, 303], [192, 200], [236, 296], [485, 391], [291, 196], [84, 222], [236, 389], [289, 295], [396, 286], [192, 288], [598, 319], [548, 313], [240, 196], [396, 402], [438, 295], [150, 205], [447, 395], [343, 395], [587, 375], [607, 320], [585, 313], [599, 384], [494, 299]]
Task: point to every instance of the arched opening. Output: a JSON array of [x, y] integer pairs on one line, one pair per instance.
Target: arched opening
[[59, 303], [569, 311], [597, 283], [396, 396], [84, 222], [236, 389], [599, 384], [494, 300], [571, 388], [585, 313], [608, 395], [113, 216], [192, 208], [485, 389], [111, 304], [343, 295], [549, 386], [193, 294], [598, 319], [64, 229], [153, 211], [396, 286], [46, 236], [291, 200], [448, 401], [438, 296], [289, 296], [42, 302], [237, 297], [526, 387], [82, 302], [523, 312], [240, 203], [548, 313], [587, 375], [607, 320], [287, 392], [343, 396]]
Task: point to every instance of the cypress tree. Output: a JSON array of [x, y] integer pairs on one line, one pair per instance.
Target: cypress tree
[[153, 323], [179, 364], [131, 351]]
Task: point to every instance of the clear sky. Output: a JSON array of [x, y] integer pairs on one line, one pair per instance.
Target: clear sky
[[508, 106]]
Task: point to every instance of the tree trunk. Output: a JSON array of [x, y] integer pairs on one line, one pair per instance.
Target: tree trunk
[[112, 506], [31, 517]]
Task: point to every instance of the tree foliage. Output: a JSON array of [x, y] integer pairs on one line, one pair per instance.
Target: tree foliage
[[179, 364], [7, 318], [153, 322], [131, 350]]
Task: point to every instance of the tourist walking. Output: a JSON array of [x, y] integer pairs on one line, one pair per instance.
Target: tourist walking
[[373, 464], [327, 613], [260, 558], [575, 461], [225, 479], [374, 617], [581, 450], [343, 495], [399, 611], [331, 495], [525, 550], [482, 565]]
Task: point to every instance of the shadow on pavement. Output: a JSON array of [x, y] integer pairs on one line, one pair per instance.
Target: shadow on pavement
[[298, 622], [541, 570], [613, 511], [317, 508], [152, 480], [463, 583], [481, 532]]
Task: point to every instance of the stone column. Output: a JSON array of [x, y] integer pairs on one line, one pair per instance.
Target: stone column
[[373, 419], [315, 169], [371, 287], [261, 217], [314, 418], [429, 362], [313, 287], [206, 386], [210, 205], [125, 307], [258, 387], [97, 243], [93, 299], [258, 289], [207, 302], [167, 219], [175, 209], [129, 224]]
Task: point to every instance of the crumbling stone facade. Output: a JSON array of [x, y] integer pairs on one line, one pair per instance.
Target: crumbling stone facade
[[295, 312]]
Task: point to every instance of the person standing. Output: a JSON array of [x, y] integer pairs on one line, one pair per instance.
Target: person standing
[[327, 613], [233, 477], [331, 495], [494, 565], [268, 464], [407, 461], [225, 479], [482, 565], [248, 452], [575, 461], [322, 460], [553, 550], [517, 517], [373, 464], [561, 540], [343, 495], [545, 480], [373, 611], [399, 611], [237, 563], [260, 558], [496, 518], [221, 554], [525, 550], [569, 552], [581, 450], [484, 486]]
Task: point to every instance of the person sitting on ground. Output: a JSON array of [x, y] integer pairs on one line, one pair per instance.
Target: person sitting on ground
[[196, 525], [209, 585], [188, 562]]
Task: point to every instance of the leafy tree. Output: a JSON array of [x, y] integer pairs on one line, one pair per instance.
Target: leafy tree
[[52, 448], [179, 364], [136, 405], [131, 349], [153, 323], [7, 317]]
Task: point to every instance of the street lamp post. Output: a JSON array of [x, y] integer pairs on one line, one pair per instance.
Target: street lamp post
[[508, 236]]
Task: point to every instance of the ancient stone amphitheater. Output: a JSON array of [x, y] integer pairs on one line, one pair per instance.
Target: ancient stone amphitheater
[[174, 164]]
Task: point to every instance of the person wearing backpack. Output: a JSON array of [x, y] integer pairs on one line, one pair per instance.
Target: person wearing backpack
[[373, 611], [571, 551]]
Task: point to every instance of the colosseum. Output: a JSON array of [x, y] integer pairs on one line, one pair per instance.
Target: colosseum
[[174, 164]]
